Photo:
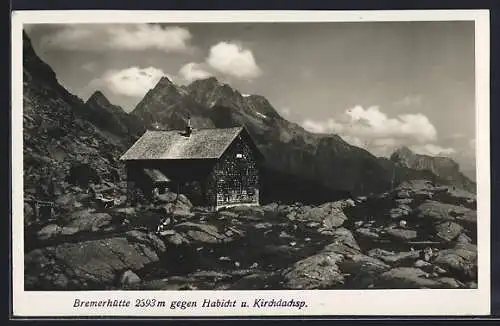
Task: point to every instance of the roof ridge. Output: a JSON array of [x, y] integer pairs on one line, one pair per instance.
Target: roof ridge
[[181, 130]]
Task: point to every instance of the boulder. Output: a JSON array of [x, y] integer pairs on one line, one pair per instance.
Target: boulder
[[457, 196], [460, 261], [135, 236], [392, 258], [402, 211], [463, 238], [92, 263], [227, 215], [448, 231], [256, 281], [255, 211], [367, 233], [129, 278], [345, 237], [406, 278], [201, 233], [88, 220], [271, 207], [361, 271], [438, 211], [329, 214], [401, 234], [450, 283], [320, 271], [49, 231]]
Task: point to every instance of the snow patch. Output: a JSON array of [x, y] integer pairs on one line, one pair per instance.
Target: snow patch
[[262, 115], [246, 95]]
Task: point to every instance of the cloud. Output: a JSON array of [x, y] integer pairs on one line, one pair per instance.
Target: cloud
[[193, 71], [432, 150], [132, 82], [89, 66], [371, 123], [285, 111], [375, 131], [125, 37], [321, 127], [233, 60], [410, 100]]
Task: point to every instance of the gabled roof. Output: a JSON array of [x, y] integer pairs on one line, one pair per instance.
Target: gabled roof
[[172, 145]]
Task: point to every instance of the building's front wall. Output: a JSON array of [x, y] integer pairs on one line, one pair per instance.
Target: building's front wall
[[236, 176], [187, 176]]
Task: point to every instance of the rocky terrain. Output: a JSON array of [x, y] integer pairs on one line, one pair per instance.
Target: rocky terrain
[[334, 216], [417, 236]]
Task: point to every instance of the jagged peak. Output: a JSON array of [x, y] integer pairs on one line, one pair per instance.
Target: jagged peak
[[99, 97], [209, 81], [165, 81], [404, 150]]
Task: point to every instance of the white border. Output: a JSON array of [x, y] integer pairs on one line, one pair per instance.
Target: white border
[[324, 302]]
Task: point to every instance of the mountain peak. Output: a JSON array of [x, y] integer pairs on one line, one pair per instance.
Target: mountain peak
[[165, 81], [404, 150], [206, 83], [100, 98]]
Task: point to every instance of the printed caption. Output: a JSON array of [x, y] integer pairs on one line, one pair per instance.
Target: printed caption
[[145, 303]]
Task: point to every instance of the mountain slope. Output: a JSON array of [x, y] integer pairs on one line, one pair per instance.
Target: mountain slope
[[112, 117], [57, 134], [444, 167]]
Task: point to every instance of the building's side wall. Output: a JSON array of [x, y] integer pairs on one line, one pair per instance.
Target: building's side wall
[[237, 176]]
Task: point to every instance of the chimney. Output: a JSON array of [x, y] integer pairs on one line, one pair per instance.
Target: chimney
[[189, 129]]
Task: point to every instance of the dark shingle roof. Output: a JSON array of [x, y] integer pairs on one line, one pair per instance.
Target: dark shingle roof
[[171, 145]]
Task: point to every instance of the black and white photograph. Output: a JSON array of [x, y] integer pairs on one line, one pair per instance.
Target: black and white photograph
[[251, 156]]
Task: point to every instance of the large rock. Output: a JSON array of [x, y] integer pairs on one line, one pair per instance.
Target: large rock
[[438, 211], [361, 271], [88, 220], [146, 238], [345, 237], [320, 271], [331, 215], [88, 264], [394, 258], [456, 196], [129, 278], [448, 231], [367, 233], [49, 231], [399, 212], [201, 233], [406, 278], [401, 234], [460, 261]]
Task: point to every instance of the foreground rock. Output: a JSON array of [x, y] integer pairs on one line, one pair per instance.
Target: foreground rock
[[412, 278], [90, 264], [460, 260]]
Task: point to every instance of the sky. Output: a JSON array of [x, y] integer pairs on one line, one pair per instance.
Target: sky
[[379, 85]]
